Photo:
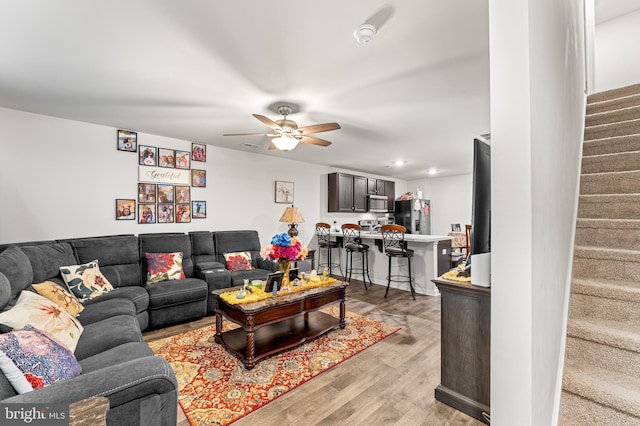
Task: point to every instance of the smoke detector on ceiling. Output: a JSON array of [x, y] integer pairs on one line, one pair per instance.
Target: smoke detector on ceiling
[[364, 33]]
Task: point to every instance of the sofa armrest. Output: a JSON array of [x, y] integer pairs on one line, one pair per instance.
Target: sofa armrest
[[121, 383], [267, 264]]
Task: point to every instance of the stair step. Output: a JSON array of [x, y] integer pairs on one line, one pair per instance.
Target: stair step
[[613, 116], [631, 127], [613, 104], [578, 411], [615, 390], [611, 289], [612, 333], [586, 352], [611, 233], [610, 183], [607, 263], [620, 92], [609, 206], [611, 145], [614, 162], [604, 308]]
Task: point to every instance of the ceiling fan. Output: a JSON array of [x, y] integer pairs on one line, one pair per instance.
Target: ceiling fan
[[286, 133]]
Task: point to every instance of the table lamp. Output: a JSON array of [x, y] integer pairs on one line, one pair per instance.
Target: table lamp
[[292, 216]]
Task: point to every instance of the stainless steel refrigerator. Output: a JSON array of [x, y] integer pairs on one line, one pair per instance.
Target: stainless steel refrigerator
[[415, 215]]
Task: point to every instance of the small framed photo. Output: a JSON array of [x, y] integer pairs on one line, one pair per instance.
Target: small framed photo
[[166, 213], [146, 213], [125, 209], [199, 178], [284, 192], [455, 227], [182, 160], [198, 152], [148, 155], [146, 192], [127, 141], [166, 157], [183, 194], [199, 209], [183, 213], [274, 282], [166, 193]]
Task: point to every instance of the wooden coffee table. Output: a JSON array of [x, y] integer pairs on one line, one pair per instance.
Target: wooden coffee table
[[275, 324]]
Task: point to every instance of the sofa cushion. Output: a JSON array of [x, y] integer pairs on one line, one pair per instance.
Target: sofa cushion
[[58, 294], [85, 280], [172, 293], [32, 359], [234, 241], [104, 309], [167, 243], [164, 266], [16, 267], [106, 334], [119, 257], [138, 295], [43, 314], [116, 356], [202, 247], [5, 290], [238, 261], [46, 259]]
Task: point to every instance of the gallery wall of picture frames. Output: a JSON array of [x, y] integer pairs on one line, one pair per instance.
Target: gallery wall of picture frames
[[166, 178]]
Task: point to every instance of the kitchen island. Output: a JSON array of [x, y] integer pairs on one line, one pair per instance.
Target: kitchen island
[[431, 258]]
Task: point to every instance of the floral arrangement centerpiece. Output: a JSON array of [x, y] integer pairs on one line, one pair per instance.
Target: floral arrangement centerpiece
[[284, 249]]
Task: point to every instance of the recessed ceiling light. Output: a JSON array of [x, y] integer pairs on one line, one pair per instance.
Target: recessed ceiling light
[[399, 163], [433, 171]]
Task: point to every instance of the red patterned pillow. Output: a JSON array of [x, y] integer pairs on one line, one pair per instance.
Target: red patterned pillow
[[238, 261], [164, 266]]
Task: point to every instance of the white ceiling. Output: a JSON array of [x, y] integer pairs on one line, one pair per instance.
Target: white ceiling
[[196, 69]]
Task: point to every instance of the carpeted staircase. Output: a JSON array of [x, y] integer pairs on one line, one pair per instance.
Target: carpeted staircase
[[601, 383]]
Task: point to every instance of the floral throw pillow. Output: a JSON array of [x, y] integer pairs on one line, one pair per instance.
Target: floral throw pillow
[[238, 261], [164, 266], [62, 297], [43, 314], [31, 359], [85, 281]]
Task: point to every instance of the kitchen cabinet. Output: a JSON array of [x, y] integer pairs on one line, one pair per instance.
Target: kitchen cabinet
[[390, 192], [347, 193], [376, 187]]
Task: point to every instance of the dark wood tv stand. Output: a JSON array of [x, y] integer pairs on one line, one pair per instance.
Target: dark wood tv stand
[[465, 348]]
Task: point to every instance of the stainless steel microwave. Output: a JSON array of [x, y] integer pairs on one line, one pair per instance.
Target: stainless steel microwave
[[378, 203]]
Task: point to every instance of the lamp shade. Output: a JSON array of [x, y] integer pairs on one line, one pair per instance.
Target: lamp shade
[[291, 215], [285, 143]]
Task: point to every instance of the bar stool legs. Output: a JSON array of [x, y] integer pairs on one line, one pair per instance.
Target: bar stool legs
[[364, 270], [400, 278], [329, 262]]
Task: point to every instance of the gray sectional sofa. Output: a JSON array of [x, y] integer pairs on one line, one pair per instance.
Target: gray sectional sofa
[[115, 361]]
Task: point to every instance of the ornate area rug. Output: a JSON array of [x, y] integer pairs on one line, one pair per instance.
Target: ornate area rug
[[216, 389]]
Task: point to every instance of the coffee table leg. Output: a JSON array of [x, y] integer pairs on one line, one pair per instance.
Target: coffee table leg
[[343, 323], [218, 335], [251, 345]]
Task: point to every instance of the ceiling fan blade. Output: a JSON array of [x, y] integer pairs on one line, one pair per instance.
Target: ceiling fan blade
[[272, 146], [317, 128], [248, 134], [268, 122], [314, 141]]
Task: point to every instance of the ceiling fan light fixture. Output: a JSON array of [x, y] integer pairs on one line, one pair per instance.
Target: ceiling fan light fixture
[[285, 143], [364, 33]]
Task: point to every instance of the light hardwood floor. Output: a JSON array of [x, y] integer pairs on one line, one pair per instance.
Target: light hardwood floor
[[390, 383]]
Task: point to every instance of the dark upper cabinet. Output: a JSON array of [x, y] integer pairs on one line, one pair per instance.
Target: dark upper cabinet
[[390, 192], [376, 187], [347, 193]]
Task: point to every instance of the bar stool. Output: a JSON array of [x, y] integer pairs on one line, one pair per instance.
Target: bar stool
[[352, 243], [394, 246], [324, 242]]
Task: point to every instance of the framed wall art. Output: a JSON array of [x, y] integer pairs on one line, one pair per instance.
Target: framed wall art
[[127, 141], [183, 194], [166, 157], [182, 160], [146, 213], [146, 192], [166, 193], [125, 209], [183, 213], [148, 156], [199, 209], [284, 192], [166, 213], [198, 152], [198, 178]]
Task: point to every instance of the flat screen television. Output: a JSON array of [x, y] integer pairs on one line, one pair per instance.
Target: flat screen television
[[481, 201]]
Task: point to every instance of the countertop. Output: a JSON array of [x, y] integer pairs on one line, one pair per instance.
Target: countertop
[[418, 238]]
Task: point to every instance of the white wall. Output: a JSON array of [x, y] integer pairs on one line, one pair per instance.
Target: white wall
[[450, 197], [537, 117], [617, 63], [60, 179]]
